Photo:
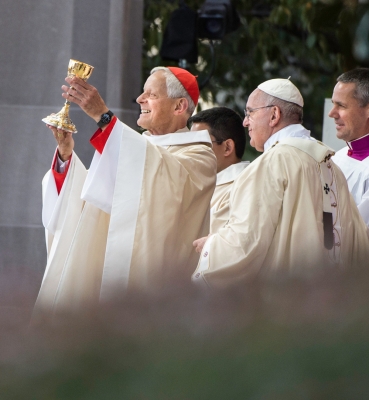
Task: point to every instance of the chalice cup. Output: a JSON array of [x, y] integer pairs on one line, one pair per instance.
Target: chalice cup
[[61, 120]]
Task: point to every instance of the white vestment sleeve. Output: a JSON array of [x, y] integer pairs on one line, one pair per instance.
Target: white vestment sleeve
[[127, 196], [100, 182], [125, 150], [51, 200], [50, 207], [198, 276], [60, 213]]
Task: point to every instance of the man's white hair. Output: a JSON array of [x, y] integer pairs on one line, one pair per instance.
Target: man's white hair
[[175, 89]]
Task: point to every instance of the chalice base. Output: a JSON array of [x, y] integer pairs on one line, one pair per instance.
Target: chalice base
[[61, 120]]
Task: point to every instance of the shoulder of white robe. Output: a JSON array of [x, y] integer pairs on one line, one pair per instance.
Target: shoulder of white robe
[[347, 163], [172, 139], [230, 174], [317, 150], [342, 152]]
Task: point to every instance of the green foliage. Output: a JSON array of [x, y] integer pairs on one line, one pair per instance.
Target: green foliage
[[309, 40]]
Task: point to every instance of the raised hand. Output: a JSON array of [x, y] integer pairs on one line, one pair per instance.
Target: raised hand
[[86, 96]]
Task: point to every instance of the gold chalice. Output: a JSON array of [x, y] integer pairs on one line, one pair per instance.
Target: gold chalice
[[61, 120]]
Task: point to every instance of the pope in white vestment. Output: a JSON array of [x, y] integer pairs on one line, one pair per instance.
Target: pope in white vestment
[[130, 220], [290, 210]]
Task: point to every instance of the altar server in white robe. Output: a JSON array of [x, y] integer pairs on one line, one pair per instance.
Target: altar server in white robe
[[229, 140], [351, 115], [130, 220], [290, 210]]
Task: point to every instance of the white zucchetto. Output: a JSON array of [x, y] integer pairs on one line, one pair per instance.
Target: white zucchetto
[[283, 89]]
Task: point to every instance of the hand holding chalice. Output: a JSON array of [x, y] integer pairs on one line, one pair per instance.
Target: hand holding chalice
[[61, 120]]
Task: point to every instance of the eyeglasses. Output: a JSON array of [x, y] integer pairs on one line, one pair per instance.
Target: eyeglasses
[[251, 110], [220, 141]]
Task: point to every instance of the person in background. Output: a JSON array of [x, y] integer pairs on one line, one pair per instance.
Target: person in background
[[228, 136], [350, 112]]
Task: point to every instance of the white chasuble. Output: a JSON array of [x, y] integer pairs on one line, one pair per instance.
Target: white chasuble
[[219, 211], [357, 176], [146, 199], [276, 219]]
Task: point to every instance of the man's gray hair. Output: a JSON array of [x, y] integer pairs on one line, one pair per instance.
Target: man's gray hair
[[359, 76], [291, 112], [175, 89]]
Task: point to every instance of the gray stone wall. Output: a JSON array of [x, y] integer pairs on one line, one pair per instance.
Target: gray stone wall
[[37, 41]]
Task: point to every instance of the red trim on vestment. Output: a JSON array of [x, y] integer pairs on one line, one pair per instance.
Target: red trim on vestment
[[100, 137], [59, 176]]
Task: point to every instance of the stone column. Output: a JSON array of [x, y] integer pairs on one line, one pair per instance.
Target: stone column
[[38, 39]]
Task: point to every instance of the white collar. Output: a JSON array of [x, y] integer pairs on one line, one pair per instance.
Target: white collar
[[294, 130], [182, 136], [230, 173]]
